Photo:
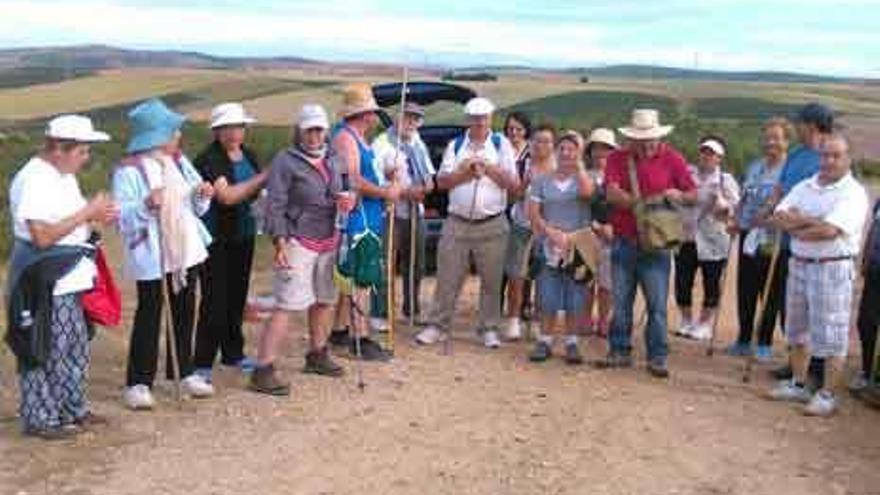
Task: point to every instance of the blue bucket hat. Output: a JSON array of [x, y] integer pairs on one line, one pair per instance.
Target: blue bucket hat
[[152, 124]]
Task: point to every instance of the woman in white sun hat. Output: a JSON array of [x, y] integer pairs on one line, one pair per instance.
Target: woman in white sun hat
[[50, 269], [234, 170], [600, 144]]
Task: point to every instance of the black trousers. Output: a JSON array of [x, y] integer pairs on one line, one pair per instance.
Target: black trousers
[[752, 276], [225, 280], [403, 248], [869, 318], [148, 323], [686, 265]]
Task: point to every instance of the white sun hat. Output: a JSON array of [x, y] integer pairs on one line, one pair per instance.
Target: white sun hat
[[76, 128], [603, 136], [230, 114], [645, 125], [312, 116], [479, 106], [713, 144]]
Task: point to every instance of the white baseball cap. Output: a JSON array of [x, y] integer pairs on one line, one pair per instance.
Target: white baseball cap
[[230, 114], [312, 116], [479, 106], [75, 128]]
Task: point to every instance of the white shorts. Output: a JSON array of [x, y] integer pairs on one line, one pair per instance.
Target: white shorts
[[309, 279], [818, 306]]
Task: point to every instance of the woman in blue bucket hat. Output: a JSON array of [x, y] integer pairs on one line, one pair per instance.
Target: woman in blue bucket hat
[[161, 197]]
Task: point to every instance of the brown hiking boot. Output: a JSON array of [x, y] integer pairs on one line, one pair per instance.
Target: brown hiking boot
[[319, 363], [265, 381]]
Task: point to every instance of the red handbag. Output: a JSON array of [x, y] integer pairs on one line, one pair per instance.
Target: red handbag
[[103, 304]]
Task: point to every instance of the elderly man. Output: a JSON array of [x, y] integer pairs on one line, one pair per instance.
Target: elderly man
[[661, 173], [814, 123], [478, 170], [404, 155], [825, 217]]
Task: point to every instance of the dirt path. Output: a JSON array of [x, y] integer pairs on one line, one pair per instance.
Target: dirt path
[[476, 422]]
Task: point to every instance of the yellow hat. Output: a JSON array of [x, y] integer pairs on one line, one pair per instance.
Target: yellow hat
[[357, 99]]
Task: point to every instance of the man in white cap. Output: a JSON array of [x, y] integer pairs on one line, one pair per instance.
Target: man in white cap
[[661, 173], [478, 170], [411, 165], [50, 269]]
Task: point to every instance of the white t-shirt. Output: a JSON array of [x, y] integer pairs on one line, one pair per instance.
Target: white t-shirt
[[39, 192], [843, 204], [490, 198]]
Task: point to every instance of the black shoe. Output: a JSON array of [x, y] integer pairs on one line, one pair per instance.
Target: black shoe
[[339, 338], [658, 369], [573, 354], [319, 363], [369, 350], [541, 353], [614, 361], [54, 434], [783, 373]]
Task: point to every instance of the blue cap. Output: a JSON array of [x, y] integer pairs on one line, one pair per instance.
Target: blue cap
[[817, 114], [152, 124]]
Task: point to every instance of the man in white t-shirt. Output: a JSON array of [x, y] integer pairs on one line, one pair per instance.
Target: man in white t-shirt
[[478, 170], [825, 216], [48, 210]]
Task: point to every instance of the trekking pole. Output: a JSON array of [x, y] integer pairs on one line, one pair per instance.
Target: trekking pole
[[353, 311], [730, 252], [413, 225], [170, 334], [391, 212], [762, 308]]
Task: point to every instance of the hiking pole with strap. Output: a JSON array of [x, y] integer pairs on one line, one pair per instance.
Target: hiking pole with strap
[[762, 308], [730, 252], [344, 248]]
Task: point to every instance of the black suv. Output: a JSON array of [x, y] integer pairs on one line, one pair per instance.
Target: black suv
[[435, 136]]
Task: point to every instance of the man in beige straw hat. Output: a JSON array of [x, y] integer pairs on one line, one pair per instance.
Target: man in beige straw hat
[[354, 156], [478, 169], [661, 173]]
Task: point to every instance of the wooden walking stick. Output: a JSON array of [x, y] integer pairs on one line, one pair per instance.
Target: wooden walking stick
[[762, 308], [170, 334], [390, 236]]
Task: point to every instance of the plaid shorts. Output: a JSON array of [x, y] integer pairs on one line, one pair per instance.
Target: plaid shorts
[[818, 306]]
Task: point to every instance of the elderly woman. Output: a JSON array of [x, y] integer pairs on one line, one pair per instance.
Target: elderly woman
[[50, 269], [161, 196], [234, 171], [706, 227], [756, 243], [303, 203], [559, 205]]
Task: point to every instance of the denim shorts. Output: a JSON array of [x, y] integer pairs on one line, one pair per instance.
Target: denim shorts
[[560, 292]]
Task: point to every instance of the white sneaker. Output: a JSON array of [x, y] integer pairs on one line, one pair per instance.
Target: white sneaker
[[379, 324], [858, 383], [491, 340], [684, 329], [430, 335], [701, 331], [514, 329], [138, 398], [822, 404], [196, 386], [788, 391]]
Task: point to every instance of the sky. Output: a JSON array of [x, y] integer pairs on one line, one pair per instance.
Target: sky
[[839, 37]]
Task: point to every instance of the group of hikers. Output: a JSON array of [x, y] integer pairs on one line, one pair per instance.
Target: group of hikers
[[552, 222]]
